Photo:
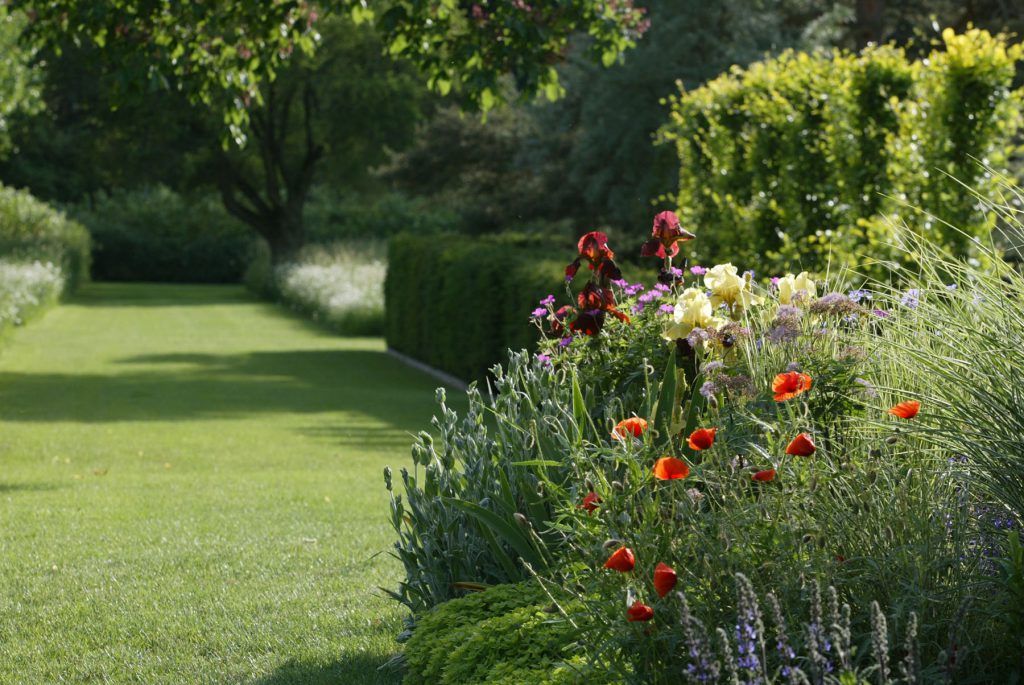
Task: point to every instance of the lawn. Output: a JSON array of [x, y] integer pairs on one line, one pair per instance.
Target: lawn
[[191, 491]]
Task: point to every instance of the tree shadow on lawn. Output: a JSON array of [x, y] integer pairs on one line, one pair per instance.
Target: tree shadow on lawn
[[356, 669], [212, 386]]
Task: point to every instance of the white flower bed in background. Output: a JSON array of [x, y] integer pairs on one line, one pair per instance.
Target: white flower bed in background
[[25, 287], [342, 285]]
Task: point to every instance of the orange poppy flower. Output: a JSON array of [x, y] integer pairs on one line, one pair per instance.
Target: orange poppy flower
[[801, 446], [670, 468], [639, 612], [764, 476], [634, 426], [664, 579], [702, 438], [621, 560], [789, 385], [590, 502], [906, 410]]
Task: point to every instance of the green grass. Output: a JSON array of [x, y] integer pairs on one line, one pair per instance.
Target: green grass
[[191, 491]]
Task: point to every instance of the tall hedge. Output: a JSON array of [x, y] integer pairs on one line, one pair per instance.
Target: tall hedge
[[794, 161], [31, 230], [460, 303]]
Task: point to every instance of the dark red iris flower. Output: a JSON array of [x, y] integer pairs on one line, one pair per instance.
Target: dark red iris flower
[[639, 612], [666, 236], [596, 299], [801, 446], [621, 560], [589, 322], [664, 579], [590, 502], [593, 247], [558, 319]]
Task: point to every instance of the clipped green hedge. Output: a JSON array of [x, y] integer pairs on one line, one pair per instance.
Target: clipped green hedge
[[794, 162], [31, 230], [460, 303]]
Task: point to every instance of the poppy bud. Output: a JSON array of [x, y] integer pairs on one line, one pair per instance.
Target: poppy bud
[[521, 520], [874, 452], [617, 486], [608, 544], [891, 440], [589, 485], [540, 489]]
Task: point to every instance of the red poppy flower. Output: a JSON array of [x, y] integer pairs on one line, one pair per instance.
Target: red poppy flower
[[670, 468], [639, 612], [906, 410], [801, 446], [664, 579], [590, 502], [666, 233], [789, 385], [634, 426], [622, 560], [764, 476], [702, 438]]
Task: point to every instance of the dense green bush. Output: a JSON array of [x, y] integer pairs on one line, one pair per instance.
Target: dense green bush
[[504, 634], [331, 216], [156, 234], [793, 160], [459, 304], [31, 230]]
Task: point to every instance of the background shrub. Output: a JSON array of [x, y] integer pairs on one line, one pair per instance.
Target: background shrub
[[331, 216], [459, 304], [31, 230], [792, 160], [157, 234]]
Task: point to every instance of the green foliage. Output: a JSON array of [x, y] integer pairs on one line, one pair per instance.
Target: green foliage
[[460, 304], [504, 634], [793, 160], [156, 234], [19, 87], [331, 216], [26, 289], [31, 230]]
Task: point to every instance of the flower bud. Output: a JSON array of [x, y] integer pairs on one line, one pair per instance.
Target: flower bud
[[617, 486], [612, 544], [892, 440], [387, 478], [440, 396], [589, 485], [521, 520]]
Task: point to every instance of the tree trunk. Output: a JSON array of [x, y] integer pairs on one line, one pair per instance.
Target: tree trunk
[[276, 210], [869, 22]]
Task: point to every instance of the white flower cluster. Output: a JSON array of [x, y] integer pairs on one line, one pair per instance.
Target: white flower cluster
[[26, 286], [335, 285]]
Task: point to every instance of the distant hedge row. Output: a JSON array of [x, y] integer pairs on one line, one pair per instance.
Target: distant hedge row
[[31, 230], [793, 162], [459, 304]]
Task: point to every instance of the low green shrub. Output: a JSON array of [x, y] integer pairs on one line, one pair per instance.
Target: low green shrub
[[459, 304], [795, 160], [31, 230], [504, 634], [332, 216], [157, 234]]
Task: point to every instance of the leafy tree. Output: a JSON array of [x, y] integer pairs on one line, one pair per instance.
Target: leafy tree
[[19, 91], [227, 56]]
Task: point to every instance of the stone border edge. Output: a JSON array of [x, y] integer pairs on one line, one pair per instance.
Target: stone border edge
[[446, 378]]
